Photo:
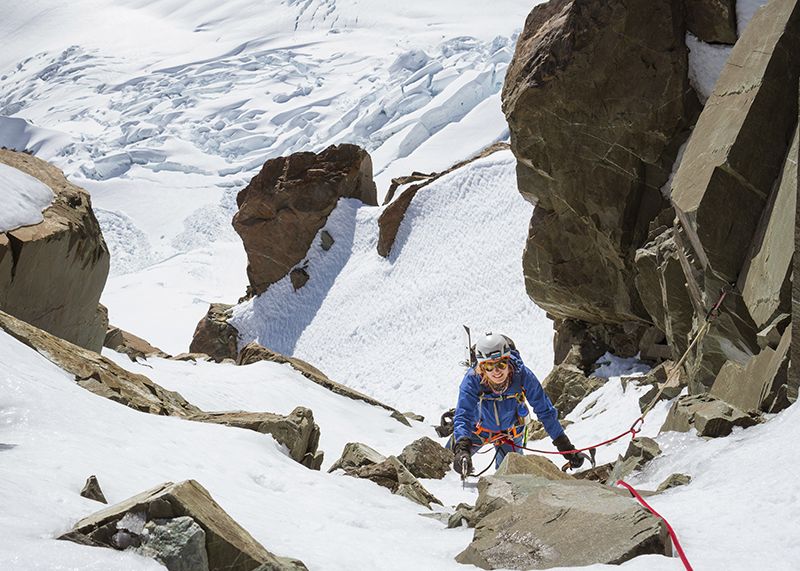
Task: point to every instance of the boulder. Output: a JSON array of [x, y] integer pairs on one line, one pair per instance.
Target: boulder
[[98, 374], [712, 21], [673, 481], [538, 524], [710, 416], [134, 347], [297, 431], [288, 202], [595, 125], [760, 384], [581, 344], [391, 474], [299, 277], [426, 458], [214, 336], [666, 382], [179, 543], [91, 490], [253, 353], [567, 386], [531, 465], [227, 545], [52, 273], [355, 455], [640, 451]]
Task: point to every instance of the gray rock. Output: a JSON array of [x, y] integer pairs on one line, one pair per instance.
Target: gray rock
[[299, 277], [542, 524], [710, 416], [91, 490], [355, 455], [531, 465], [673, 481], [640, 451], [400, 417], [178, 543], [228, 545], [567, 386], [426, 458], [326, 240], [393, 475]]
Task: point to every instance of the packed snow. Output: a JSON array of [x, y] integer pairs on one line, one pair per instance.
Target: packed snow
[[164, 119], [24, 198]]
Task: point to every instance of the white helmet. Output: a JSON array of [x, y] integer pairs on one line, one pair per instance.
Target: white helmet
[[491, 346]]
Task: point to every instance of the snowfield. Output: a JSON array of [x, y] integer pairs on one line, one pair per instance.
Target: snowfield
[[163, 110]]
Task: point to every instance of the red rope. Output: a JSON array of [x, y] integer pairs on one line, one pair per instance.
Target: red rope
[[671, 531]]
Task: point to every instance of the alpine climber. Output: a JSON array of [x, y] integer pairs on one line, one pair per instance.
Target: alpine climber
[[491, 405]]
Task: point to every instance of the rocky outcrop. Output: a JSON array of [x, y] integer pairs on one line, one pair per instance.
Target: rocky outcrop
[[253, 353], [52, 273], [734, 194], [180, 508], [641, 450], [666, 382], [426, 458], [98, 374], [134, 347], [103, 377], [535, 523], [288, 202], [392, 474], [595, 123], [712, 21], [355, 455], [297, 431], [710, 416], [566, 385], [674, 481], [214, 336]]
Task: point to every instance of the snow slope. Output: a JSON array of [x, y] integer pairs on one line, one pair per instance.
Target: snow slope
[[24, 199]]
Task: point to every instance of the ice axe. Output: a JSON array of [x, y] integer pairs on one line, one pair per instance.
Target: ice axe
[[590, 457]]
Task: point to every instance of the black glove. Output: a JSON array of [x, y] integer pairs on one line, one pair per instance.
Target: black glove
[[463, 454], [563, 444]]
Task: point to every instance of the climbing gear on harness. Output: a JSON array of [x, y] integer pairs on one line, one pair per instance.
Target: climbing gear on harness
[[491, 346], [445, 427], [490, 366]]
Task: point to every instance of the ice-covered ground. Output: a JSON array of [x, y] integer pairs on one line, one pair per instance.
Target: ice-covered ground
[[24, 198]]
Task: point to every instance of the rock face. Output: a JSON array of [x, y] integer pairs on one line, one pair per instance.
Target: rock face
[[426, 458], [734, 196], [172, 510], [712, 21], [595, 125], [297, 431], [538, 524], [98, 374], [710, 416], [214, 336], [52, 273], [288, 202]]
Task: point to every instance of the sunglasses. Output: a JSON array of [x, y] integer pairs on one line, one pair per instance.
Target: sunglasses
[[489, 366]]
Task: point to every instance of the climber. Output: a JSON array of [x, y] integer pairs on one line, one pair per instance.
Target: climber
[[491, 405]]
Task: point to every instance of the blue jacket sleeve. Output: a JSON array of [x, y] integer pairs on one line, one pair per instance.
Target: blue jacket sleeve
[[540, 403], [466, 416]]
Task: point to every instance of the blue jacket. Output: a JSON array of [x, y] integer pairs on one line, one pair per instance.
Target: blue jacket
[[477, 403]]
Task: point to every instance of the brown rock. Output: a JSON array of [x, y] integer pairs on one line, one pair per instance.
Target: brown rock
[[426, 458], [712, 21], [393, 475], [135, 347], [567, 386], [228, 545], [355, 455], [710, 416], [288, 202], [531, 465], [595, 124], [52, 273], [299, 277], [674, 481], [214, 336]]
